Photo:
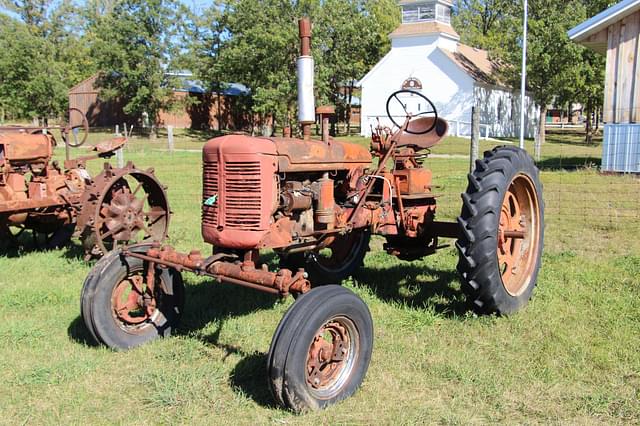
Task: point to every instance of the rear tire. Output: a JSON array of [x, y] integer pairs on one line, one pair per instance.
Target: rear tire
[[321, 349], [116, 305], [347, 256], [502, 228]]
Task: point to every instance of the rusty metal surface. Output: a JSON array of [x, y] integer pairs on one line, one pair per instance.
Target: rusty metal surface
[[328, 355], [415, 181], [419, 140], [239, 190], [295, 155], [246, 274], [37, 194], [19, 148], [122, 206]]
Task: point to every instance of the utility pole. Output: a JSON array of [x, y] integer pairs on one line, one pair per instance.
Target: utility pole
[[524, 74]]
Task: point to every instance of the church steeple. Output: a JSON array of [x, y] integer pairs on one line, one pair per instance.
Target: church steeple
[[426, 11], [426, 18]]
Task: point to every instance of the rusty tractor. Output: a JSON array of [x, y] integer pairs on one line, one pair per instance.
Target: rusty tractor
[[316, 203], [118, 206]]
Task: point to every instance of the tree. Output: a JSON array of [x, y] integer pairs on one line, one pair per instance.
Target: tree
[[203, 34], [256, 43], [34, 13], [131, 45], [553, 61], [31, 82], [42, 56], [481, 22]]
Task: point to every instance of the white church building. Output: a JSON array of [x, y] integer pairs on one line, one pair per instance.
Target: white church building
[[426, 56]]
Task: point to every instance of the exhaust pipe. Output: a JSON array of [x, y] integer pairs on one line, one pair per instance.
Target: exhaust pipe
[[305, 66]]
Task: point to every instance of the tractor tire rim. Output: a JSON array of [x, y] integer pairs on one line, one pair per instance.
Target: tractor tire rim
[[518, 235], [133, 304], [332, 357]]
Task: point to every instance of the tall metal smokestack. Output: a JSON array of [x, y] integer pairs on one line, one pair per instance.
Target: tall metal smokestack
[[305, 65]]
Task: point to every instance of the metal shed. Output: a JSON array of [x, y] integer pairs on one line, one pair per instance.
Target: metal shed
[[615, 33]]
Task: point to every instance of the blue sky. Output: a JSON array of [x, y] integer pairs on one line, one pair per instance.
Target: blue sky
[[193, 4]]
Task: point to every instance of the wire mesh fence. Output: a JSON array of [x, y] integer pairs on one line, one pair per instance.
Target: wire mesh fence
[[590, 206]]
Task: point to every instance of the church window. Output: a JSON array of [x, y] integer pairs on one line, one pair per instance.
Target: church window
[[443, 14], [419, 13]]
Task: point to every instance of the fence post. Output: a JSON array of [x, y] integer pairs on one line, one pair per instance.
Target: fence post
[[120, 158], [457, 128], [536, 144], [170, 137], [475, 137], [117, 130]]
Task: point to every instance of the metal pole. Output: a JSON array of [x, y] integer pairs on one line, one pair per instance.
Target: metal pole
[[475, 137], [524, 73]]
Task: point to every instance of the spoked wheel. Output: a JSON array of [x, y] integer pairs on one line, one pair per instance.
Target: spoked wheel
[[502, 224], [335, 263], [131, 207], [122, 309], [321, 349]]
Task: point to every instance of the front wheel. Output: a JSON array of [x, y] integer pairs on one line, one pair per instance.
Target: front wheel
[[321, 350], [119, 307], [502, 228]]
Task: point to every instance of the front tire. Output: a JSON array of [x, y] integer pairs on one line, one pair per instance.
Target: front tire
[[502, 224], [121, 311], [321, 350]]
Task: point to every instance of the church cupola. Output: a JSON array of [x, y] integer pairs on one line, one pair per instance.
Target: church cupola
[[425, 22], [414, 11]]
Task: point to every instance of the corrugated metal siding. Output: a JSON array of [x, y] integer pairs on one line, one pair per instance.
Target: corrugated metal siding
[[621, 148]]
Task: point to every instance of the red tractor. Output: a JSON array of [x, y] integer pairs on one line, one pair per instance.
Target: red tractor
[[316, 204], [119, 206]]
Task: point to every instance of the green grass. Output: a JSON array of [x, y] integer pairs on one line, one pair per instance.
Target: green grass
[[570, 357]]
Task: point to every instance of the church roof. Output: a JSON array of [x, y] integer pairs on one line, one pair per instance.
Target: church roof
[[423, 28], [476, 63]]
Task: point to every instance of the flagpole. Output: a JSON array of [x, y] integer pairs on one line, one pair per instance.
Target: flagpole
[[524, 74]]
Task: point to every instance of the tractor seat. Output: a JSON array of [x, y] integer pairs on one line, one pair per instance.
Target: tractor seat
[[109, 146], [426, 140]]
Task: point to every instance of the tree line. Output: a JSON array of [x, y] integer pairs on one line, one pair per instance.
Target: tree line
[[47, 46]]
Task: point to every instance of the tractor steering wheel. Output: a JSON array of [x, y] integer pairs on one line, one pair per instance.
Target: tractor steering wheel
[[76, 131], [432, 112]]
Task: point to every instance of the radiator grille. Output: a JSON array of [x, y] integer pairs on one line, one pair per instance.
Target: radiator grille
[[243, 199], [210, 189]]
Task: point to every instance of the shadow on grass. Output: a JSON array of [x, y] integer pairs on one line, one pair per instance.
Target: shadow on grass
[[209, 303], [78, 332], [27, 243], [249, 378], [569, 163], [418, 287]]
